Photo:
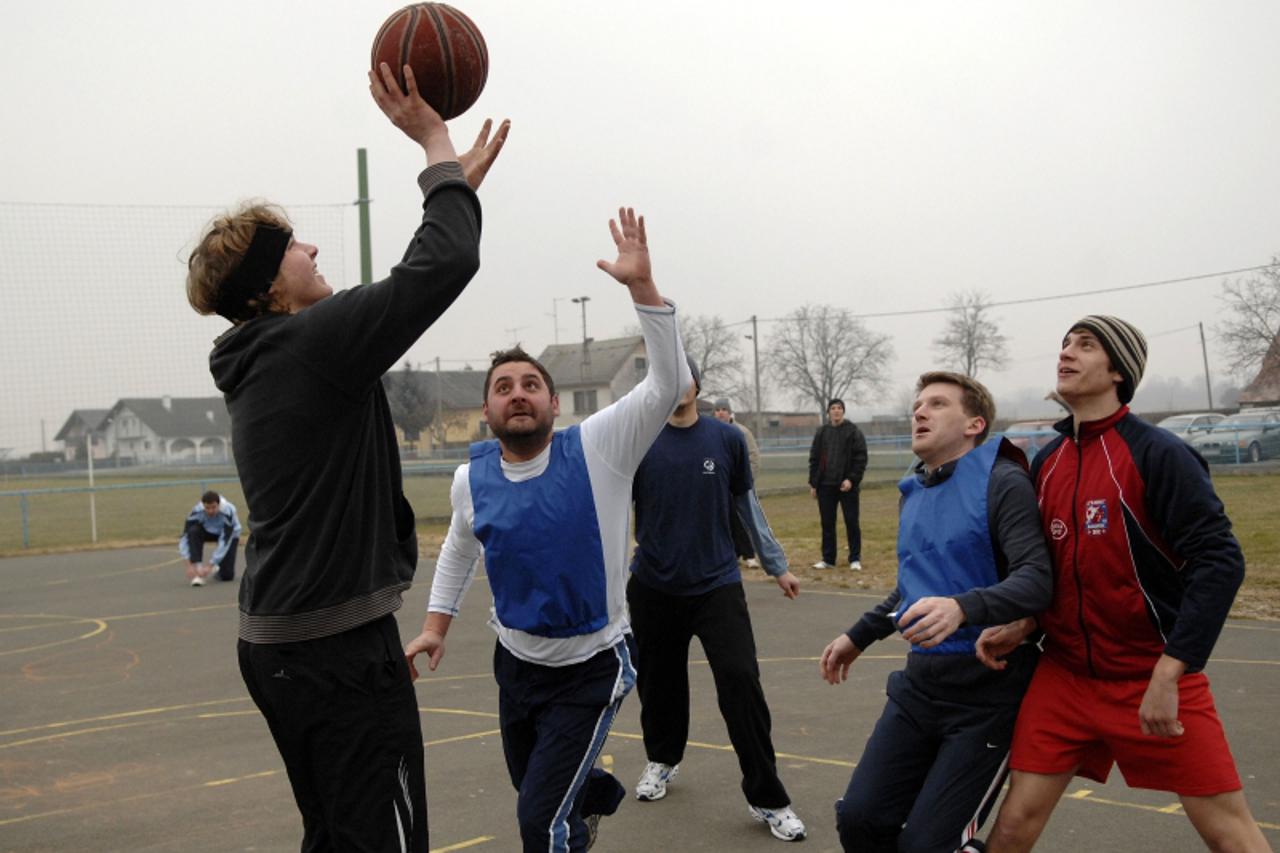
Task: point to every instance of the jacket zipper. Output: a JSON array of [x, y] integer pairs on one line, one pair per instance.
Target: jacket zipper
[[1075, 555]]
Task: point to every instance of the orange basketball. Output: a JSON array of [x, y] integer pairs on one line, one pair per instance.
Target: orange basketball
[[445, 50]]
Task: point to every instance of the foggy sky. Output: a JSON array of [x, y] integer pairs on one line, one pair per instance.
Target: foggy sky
[[871, 156]]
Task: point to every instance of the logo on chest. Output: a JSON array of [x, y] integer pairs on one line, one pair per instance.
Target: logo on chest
[[708, 466], [1058, 529], [1095, 517]]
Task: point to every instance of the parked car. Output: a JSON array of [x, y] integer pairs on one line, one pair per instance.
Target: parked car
[[1191, 424], [1249, 435], [1030, 436]]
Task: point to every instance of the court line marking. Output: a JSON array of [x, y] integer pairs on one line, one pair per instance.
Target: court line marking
[[1085, 795], [122, 715], [100, 626]]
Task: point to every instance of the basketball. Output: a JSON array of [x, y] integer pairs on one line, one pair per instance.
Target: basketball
[[445, 50]]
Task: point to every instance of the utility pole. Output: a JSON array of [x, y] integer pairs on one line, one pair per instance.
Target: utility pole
[[439, 430], [1204, 353], [755, 352]]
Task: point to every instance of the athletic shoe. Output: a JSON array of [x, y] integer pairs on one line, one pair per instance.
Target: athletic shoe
[[654, 779], [197, 581], [856, 565], [753, 563], [823, 564], [783, 822], [593, 829]]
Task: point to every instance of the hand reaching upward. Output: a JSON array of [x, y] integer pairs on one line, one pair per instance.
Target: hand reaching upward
[[632, 267]]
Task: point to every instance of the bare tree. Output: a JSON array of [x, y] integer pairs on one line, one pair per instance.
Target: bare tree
[[1254, 318], [971, 340], [820, 352], [715, 347]]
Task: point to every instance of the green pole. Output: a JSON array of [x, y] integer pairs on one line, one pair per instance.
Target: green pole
[[362, 177]]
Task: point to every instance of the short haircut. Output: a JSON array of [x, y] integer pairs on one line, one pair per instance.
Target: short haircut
[[221, 250], [975, 399], [210, 497], [516, 353]]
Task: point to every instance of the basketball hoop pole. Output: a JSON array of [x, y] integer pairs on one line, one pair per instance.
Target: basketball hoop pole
[[362, 202]]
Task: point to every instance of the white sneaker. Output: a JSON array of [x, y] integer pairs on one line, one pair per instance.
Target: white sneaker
[[856, 565], [753, 563], [823, 564], [654, 779], [783, 822], [197, 581]]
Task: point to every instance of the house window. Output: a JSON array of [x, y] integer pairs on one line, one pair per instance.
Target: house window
[[584, 402], [483, 430], [641, 364]]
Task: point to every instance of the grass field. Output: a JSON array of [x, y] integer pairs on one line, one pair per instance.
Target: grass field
[[155, 515]]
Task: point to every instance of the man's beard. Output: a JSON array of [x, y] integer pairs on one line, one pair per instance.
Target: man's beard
[[524, 441]]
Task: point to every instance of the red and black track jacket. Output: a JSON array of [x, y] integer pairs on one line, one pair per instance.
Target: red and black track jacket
[[1144, 558]]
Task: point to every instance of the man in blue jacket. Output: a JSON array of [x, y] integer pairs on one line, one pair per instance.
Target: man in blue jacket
[[212, 520]]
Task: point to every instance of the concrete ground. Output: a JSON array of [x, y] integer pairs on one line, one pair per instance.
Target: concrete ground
[[124, 726]]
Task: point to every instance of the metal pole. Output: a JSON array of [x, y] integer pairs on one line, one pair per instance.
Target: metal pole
[[755, 349], [93, 498], [439, 405], [1204, 352], [362, 180], [26, 521]]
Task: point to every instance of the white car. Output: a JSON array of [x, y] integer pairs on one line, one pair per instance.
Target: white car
[[1191, 424]]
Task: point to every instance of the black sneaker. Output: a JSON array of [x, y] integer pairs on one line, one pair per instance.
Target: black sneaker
[[593, 829]]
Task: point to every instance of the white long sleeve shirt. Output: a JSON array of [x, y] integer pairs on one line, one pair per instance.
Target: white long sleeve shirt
[[614, 441]]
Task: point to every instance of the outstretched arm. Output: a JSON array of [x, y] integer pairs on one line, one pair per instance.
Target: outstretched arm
[[622, 433]]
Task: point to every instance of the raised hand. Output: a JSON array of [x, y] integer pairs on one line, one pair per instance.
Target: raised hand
[[476, 161], [632, 267], [410, 113]]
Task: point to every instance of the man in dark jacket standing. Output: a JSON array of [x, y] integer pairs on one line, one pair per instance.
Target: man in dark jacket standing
[[837, 461]]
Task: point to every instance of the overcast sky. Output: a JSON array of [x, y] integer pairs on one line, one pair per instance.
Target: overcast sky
[[874, 156]]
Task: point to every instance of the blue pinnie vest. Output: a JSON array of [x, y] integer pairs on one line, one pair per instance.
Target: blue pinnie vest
[[944, 540], [541, 537]]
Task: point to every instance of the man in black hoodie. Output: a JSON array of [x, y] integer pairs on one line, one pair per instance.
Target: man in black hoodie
[[837, 461], [333, 545]]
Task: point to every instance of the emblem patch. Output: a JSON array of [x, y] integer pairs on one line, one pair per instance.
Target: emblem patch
[[708, 466], [1095, 517], [1058, 529]]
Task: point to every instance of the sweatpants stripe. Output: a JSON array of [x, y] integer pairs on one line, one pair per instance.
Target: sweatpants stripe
[[559, 840], [993, 791]]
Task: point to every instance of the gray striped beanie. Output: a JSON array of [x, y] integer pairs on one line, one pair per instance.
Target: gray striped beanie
[[1124, 344]]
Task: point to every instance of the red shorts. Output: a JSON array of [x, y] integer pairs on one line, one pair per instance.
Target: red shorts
[[1073, 723]]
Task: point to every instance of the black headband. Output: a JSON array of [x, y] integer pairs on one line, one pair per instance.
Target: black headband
[[253, 277]]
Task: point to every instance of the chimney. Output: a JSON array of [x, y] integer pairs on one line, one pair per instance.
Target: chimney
[[167, 402]]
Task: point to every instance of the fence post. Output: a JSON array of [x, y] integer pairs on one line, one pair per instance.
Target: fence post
[[26, 527]]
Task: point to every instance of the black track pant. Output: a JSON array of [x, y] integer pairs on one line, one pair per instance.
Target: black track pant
[[664, 625], [928, 776], [344, 716]]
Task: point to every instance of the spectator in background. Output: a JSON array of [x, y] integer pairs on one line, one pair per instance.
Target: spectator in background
[[837, 461], [212, 520], [742, 541]]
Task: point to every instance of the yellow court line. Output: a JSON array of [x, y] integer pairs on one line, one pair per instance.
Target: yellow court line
[[152, 567], [473, 736], [150, 613], [1085, 795], [100, 627], [489, 715], [122, 715], [463, 845], [77, 733]]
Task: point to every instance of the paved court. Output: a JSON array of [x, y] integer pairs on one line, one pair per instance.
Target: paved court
[[124, 726]]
